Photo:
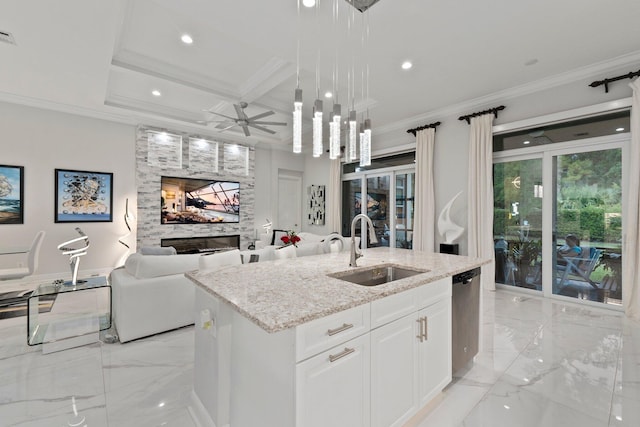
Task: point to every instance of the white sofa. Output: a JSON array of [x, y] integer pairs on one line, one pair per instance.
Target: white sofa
[[151, 294]]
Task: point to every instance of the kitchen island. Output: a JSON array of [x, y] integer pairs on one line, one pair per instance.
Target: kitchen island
[[289, 343]]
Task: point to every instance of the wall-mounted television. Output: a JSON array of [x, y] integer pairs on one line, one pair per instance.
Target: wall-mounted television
[[199, 200]]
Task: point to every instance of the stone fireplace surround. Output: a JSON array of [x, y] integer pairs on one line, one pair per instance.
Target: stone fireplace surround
[[154, 161]]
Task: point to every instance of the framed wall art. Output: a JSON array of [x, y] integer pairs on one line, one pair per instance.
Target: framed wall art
[[83, 196], [11, 194], [316, 204]]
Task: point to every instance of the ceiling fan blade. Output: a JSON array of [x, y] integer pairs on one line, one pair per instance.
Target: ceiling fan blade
[[222, 115], [246, 131], [227, 128], [261, 128], [240, 112], [261, 115], [269, 123], [206, 122]]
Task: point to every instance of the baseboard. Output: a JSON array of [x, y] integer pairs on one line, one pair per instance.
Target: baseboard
[[199, 414]]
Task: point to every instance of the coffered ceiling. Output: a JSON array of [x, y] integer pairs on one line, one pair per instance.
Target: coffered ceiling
[[104, 58]]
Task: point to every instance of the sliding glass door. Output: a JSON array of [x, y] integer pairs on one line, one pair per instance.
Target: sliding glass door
[[558, 219], [517, 222], [587, 225], [387, 198]]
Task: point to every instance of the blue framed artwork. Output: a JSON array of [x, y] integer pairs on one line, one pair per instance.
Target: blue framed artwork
[[11, 194], [83, 196]]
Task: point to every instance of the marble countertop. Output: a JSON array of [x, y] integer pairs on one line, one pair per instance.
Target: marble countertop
[[282, 294]]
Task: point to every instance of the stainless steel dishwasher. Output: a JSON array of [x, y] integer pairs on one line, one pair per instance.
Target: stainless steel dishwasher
[[465, 318]]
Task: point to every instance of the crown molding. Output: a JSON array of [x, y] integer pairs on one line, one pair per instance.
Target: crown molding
[[551, 82]]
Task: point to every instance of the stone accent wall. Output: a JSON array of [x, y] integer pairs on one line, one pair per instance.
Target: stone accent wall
[[191, 159]]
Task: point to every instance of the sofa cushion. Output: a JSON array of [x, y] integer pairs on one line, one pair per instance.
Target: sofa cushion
[[217, 260], [285, 252], [146, 266], [156, 250], [306, 249]]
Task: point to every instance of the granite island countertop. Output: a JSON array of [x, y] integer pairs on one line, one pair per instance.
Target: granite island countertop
[[282, 294]]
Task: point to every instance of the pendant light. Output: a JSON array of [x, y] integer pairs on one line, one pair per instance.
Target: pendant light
[[317, 128], [353, 132], [367, 143], [297, 122], [334, 132]]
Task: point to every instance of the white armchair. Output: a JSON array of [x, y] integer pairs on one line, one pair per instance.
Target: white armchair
[[32, 254]]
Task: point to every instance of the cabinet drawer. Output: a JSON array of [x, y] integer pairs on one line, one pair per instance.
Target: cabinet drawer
[[393, 307], [321, 334], [435, 291]]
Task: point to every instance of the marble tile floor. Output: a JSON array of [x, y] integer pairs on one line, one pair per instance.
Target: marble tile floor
[[542, 363]]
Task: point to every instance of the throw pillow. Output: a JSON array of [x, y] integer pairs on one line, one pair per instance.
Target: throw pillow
[[218, 260]]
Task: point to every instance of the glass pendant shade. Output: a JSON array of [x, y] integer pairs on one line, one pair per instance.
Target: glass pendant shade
[[334, 129], [365, 154], [317, 128], [297, 122], [361, 144], [353, 132]]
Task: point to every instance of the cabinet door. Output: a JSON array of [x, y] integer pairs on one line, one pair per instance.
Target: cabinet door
[[394, 384], [333, 388], [434, 363]]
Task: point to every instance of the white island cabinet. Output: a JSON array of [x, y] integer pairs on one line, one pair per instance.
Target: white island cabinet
[[410, 356], [322, 352]]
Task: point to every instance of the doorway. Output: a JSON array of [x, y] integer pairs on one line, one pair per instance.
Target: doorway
[[289, 200]]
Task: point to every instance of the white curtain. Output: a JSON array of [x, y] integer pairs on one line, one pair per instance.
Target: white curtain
[[481, 196], [334, 213], [631, 249], [424, 209]]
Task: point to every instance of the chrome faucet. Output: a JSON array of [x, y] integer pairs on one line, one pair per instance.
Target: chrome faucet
[[357, 253]]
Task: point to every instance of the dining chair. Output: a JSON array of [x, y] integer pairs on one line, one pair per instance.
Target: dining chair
[[32, 261]]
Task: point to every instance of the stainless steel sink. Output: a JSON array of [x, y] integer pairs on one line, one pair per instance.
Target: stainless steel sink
[[378, 275]]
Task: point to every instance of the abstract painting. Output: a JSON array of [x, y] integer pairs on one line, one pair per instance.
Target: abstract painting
[[316, 204], [11, 194], [83, 196]]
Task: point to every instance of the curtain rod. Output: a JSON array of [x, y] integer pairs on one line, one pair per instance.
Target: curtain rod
[[606, 81], [419, 128], [481, 113]]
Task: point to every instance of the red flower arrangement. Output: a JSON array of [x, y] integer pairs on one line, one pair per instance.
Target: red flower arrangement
[[291, 238]]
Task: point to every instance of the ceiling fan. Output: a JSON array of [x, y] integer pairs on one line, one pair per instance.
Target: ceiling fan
[[244, 121]]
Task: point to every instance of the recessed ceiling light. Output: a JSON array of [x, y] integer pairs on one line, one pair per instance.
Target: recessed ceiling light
[[328, 95], [406, 65], [619, 129], [156, 92], [526, 142], [309, 3], [186, 39]]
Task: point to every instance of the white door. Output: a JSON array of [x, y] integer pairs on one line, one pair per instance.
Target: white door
[[333, 387], [289, 200], [434, 360], [394, 384]]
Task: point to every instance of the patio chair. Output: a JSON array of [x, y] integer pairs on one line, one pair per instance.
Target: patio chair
[[579, 267]]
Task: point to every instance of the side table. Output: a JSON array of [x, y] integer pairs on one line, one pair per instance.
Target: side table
[[78, 314]]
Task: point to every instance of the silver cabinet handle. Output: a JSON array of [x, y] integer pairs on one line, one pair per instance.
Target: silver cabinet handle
[[342, 328], [426, 328], [420, 336], [347, 351]]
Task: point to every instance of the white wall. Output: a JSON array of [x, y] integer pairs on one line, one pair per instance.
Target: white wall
[[42, 141]]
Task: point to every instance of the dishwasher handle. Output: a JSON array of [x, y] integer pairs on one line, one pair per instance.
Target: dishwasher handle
[[466, 276]]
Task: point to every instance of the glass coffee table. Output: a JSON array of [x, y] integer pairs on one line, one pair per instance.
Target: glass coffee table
[[78, 313]]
